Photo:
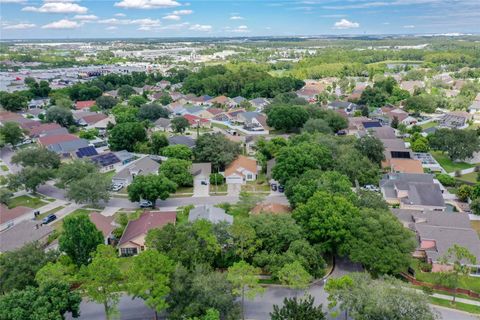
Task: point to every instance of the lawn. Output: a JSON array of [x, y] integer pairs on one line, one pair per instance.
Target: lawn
[[253, 187], [185, 190], [448, 164], [458, 305], [43, 215], [109, 174], [427, 125], [27, 201], [465, 282], [469, 177], [220, 190]]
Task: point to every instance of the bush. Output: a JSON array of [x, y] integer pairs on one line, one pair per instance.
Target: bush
[[217, 179], [446, 180], [464, 192], [425, 267], [427, 290], [475, 206]]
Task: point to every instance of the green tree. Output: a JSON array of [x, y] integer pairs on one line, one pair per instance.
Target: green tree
[[30, 178], [148, 279], [106, 102], [89, 134], [217, 149], [152, 112], [244, 279], [125, 135], [459, 144], [298, 309], [13, 101], [63, 270], [77, 169], [294, 276], [79, 239], [244, 238], [50, 301], [217, 179], [317, 125], [62, 116], [136, 101], [90, 189], [151, 187], [5, 196], [18, 267], [12, 133], [158, 142], [371, 147], [420, 103], [101, 279], [125, 91], [178, 151], [286, 117], [179, 124], [125, 114], [36, 157], [461, 258], [420, 145], [178, 171], [464, 192]]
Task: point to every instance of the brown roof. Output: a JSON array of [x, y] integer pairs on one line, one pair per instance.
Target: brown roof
[[220, 99], [239, 163], [7, 214], [406, 165], [84, 104], [94, 118], [7, 115], [147, 221], [44, 127], [271, 208], [215, 111], [103, 223], [48, 140]]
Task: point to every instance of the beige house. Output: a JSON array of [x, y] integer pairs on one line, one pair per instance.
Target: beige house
[[132, 241]]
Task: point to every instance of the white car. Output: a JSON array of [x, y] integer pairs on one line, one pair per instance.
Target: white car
[[117, 187], [371, 187]]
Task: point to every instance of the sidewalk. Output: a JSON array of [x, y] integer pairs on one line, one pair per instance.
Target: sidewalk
[[462, 300]]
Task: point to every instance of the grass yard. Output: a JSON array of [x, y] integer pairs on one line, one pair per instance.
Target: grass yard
[[253, 187], [458, 305], [185, 190], [448, 164], [4, 167], [43, 215], [109, 174], [26, 201], [218, 190], [469, 177], [427, 125]]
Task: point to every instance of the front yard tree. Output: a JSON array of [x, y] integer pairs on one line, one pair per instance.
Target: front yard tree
[[149, 278], [461, 258], [152, 112], [217, 149], [178, 151], [178, 171], [294, 276], [106, 102], [371, 147], [151, 187], [12, 133], [244, 279], [101, 279], [124, 136], [244, 238], [179, 124], [298, 309], [158, 141], [13, 101], [50, 301], [37, 156], [287, 118], [79, 239], [90, 189], [30, 178], [62, 116], [73, 171]]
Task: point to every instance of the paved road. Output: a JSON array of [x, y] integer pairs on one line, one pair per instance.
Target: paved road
[[6, 154]]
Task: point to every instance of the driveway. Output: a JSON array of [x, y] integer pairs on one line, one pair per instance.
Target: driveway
[[200, 190], [233, 189]]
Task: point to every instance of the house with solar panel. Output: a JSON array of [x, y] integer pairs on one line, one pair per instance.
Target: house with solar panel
[[143, 166]]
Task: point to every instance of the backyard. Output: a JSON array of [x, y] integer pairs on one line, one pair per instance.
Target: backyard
[[448, 164], [27, 201], [470, 178]]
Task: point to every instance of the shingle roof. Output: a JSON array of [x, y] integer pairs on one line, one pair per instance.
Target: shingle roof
[[48, 140], [181, 140], [7, 214], [147, 221], [11, 240], [241, 163], [210, 213], [141, 166], [103, 223]]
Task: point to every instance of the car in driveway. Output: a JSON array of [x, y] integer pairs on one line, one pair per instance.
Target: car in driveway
[[49, 218], [145, 204], [117, 187], [371, 187]]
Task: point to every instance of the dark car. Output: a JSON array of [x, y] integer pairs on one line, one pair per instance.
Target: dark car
[[274, 187], [281, 188], [145, 204], [49, 218], [204, 183]]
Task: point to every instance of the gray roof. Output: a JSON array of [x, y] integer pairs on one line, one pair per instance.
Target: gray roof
[[181, 140], [194, 109], [163, 123], [342, 104], [68, 146], [433, 218], [238, 99], [204, 169], [383, 132], [259, 102], [424, 194], [21, 234], [141, 166], [210, 213], [123, 155]]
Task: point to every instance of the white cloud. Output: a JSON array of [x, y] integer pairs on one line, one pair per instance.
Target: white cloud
[[62, 24], [241, 29], [61, 0], [120, 15], [58, 7], [176, 26], [171, 17], [345, 24], [13, 1], [201, 27], [20, 26], [143, 23], [85, 17], [236, 18], [146, 22], [182, 12], [111, 28], [410, 26], [146, 4]]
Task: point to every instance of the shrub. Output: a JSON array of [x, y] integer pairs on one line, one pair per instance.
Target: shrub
[[446, 179], [217, 179]]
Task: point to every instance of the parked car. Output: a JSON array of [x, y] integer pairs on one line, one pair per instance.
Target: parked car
[[117, 187], [371, 187], [274, 187], [49, 218], [145, 204], [281, 188], [204, 183]]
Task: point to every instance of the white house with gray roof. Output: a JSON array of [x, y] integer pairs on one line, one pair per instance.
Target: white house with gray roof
[[210, 213], [138, 167]]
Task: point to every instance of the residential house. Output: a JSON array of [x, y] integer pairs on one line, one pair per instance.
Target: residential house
[[411, 85], [436, 232], [29, 230], [201, 171], [92, 120], [86, 152], [455, 120], [395, 149], [125, 156], [38, 103], [195, 121], [253, 121], [106, 161], [46, 129], [84, 105], [412, 191], [132, 241], [163, 124], [138, 167], [185, 140], [105, 224], [359, 126], [259, 103], [400, 165], [382, 133], [64, 144], [209, 213], [163, 84], [222, 100], [11, 217], [348, 107], [241, 170], [236, 101], [111, 93], [474, 109]]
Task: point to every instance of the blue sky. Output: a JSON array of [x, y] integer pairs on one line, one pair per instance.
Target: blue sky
[[171, 18]]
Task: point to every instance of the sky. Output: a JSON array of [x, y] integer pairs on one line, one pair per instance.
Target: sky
[[63, 19]]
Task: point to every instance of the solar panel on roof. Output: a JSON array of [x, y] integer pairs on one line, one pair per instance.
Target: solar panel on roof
[[373, 124], [106, 159], [86, 152]]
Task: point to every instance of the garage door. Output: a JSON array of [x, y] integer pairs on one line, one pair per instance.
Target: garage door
[[234, 180]]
